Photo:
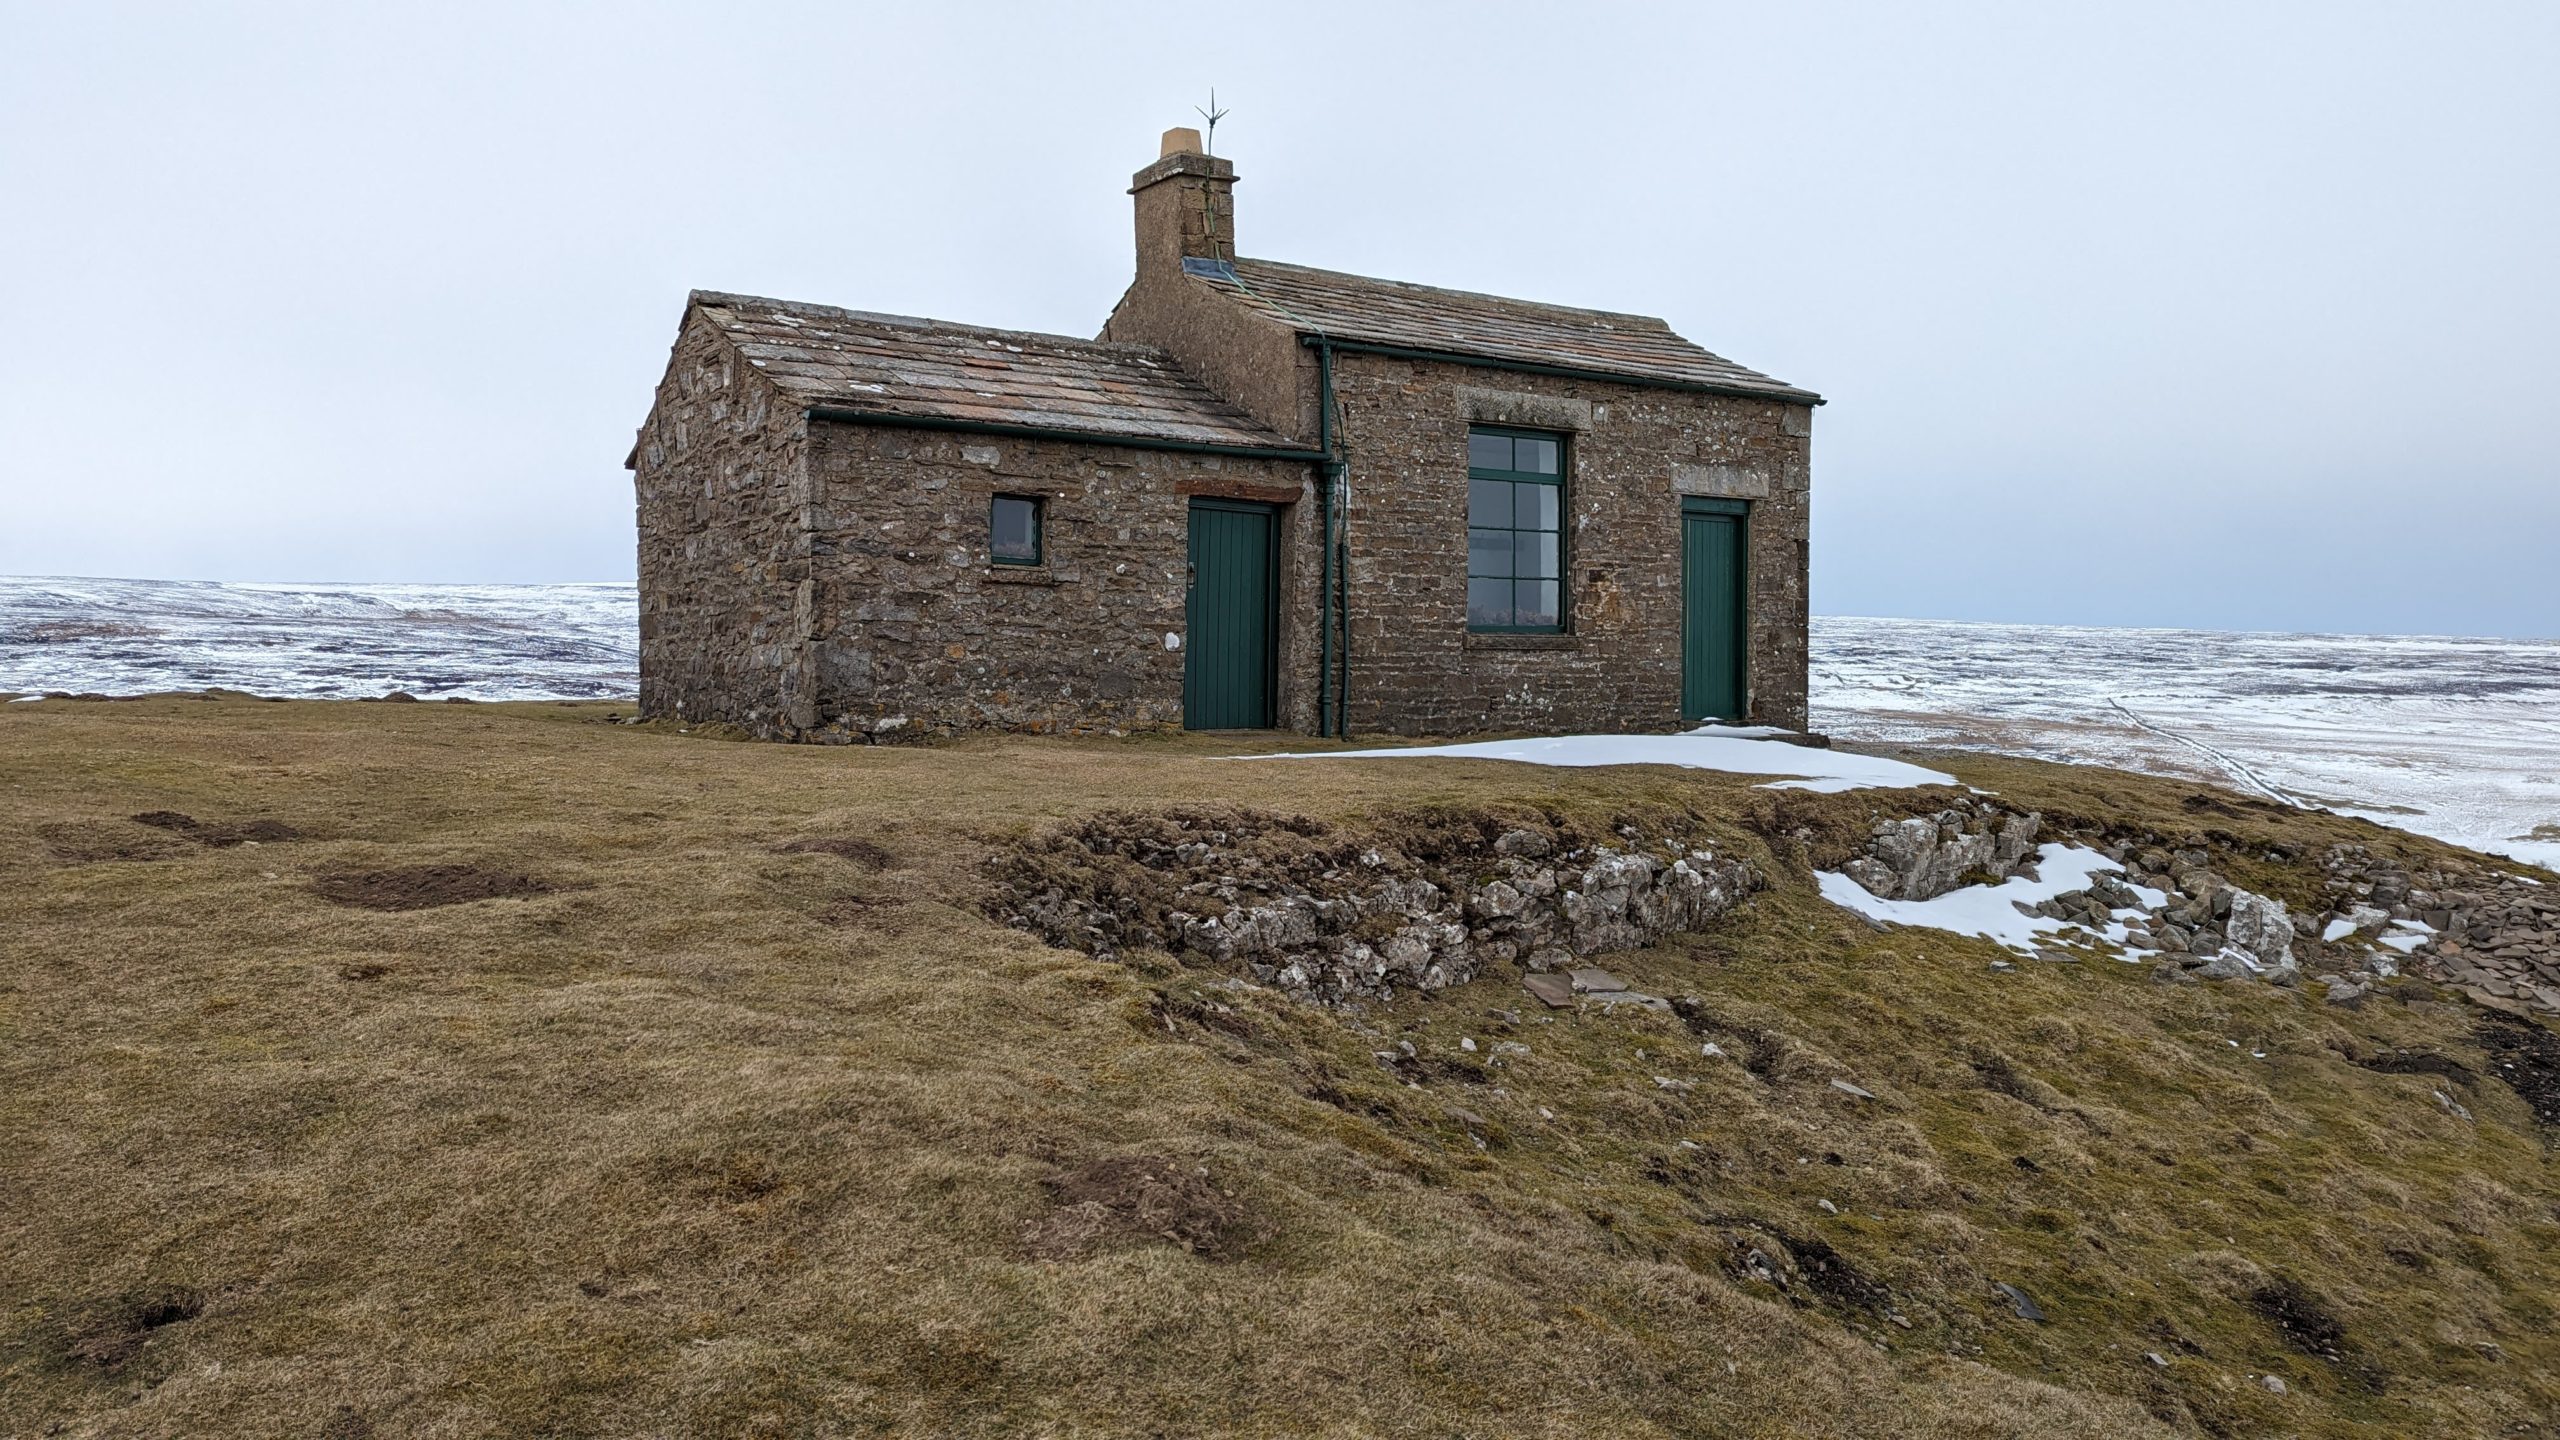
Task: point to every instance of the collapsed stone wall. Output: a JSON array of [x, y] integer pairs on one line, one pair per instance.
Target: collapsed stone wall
[[1334, 916], [1928, 855]]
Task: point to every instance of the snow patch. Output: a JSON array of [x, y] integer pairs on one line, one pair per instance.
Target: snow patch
[[1991, 911], [1826, 771]]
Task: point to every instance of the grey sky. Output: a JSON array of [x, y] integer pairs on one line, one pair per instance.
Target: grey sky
[[2237, 316]]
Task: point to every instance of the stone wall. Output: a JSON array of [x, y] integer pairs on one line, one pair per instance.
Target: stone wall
[[717, 477], [1631, 453], [915, 630], [1338, 917]]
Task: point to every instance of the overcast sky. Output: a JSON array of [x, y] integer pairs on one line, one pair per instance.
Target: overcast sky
[[2242, 316]]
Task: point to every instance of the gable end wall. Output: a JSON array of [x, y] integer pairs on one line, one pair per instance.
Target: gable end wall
[[719, 482]]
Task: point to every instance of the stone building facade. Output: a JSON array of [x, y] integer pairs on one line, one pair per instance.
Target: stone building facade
[[1262, 497]]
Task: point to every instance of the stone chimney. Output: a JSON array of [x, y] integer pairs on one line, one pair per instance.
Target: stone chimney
[[1186, 206]]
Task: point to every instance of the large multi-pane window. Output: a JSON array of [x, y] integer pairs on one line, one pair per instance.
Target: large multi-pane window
[[1515, 530]]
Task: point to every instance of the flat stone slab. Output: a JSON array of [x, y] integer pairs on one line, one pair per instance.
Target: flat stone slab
[[1555, 990], [1629, 997], [1596, 982]]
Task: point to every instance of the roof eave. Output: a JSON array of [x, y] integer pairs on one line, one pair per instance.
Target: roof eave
[[856, 415], [1781, 394]]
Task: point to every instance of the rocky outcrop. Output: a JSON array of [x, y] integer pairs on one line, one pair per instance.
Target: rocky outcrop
[[1929, 855], [1335, 918]]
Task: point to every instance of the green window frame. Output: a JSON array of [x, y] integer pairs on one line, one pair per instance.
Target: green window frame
[[1515, 531], [1016, 530]]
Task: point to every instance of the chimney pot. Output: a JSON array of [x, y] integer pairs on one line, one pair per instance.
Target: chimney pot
[[1180, 140]]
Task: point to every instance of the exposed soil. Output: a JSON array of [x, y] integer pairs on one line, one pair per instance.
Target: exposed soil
[[2420, 1062], [421, 887], [1138, 1198], [112, 1331], [868, 854], [1809, 1265], [2527, 1057], [2302, 1319], [218, 834]]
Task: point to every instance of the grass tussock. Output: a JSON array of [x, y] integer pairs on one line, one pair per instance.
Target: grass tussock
[[743, 1118]]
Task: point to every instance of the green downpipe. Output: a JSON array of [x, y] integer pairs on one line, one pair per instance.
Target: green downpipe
[[1334, 715], [1324, 499]]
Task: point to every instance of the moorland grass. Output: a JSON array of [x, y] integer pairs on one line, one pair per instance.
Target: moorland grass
[[748, 1121]]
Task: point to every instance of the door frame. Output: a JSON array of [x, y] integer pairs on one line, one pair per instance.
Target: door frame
[[1739, 511], [1270, 514]]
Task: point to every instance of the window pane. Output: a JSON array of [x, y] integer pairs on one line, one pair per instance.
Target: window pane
[[1538, 457], [1016, 537], [1489, 552], [1537, 506], [1537, 557], [1488, 452], [1489, 503], [1536, 603], [1488, 602]]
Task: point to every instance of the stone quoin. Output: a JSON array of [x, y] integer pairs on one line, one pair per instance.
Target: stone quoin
[[1266, 497]]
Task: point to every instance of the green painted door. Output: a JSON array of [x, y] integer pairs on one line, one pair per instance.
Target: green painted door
[[1226, 676], [1712, 609]]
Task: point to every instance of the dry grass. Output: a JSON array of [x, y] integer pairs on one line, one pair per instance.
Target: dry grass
[[739, 1129]]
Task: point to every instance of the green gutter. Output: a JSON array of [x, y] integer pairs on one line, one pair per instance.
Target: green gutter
[[846, 415], [1563, 372]]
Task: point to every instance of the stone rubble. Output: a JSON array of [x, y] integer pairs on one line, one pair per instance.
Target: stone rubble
[[1341, 933], [2488, 933], [1928, 855]]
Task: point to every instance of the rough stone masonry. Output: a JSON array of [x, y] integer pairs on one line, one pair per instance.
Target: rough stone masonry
[[815, 486]]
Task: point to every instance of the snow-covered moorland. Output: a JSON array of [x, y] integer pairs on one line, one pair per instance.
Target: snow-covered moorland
[[2456, 738]]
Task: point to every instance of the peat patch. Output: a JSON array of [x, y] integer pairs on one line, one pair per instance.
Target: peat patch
[[423, 887], [110, 1332], [2527, 1057], [217, 834], [1138, 1199]]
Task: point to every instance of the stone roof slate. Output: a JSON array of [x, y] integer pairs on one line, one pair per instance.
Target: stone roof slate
[[1424, 317], [906, 367]]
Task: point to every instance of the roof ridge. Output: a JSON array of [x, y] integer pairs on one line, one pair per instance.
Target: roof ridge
[[886, 320], [1512, 300]]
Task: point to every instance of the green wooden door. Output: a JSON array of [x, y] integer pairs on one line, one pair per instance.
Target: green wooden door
[[1226, 675], [1712, 609]]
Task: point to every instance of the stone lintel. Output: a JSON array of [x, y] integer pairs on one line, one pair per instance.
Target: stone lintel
[[1524, 408], [1720, 482], [1220, 488]]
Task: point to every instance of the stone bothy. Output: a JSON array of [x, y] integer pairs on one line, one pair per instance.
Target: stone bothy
[[1266, 496]]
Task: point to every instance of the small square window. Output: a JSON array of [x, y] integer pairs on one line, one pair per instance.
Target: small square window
[[1013, 527]]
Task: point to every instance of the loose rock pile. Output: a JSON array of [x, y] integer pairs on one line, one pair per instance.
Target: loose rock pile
[[1335, 918], [2492, 935], [2208, 927], [2166, 902]]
